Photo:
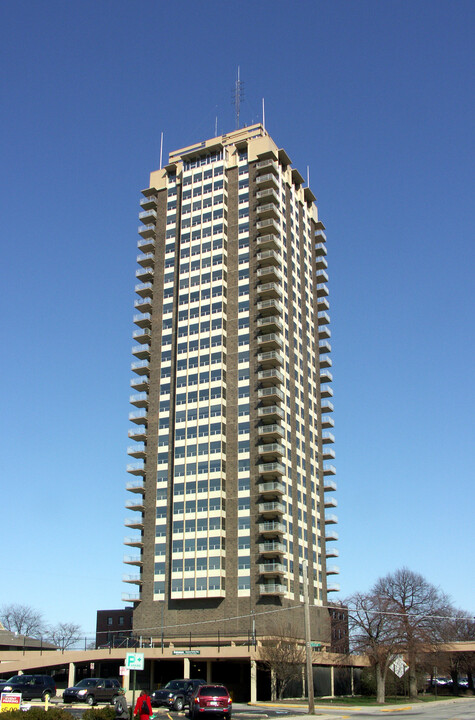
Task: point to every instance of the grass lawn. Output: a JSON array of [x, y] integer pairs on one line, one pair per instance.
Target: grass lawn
[[367, 700]]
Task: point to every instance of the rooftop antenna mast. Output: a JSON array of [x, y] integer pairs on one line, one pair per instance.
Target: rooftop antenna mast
[[161, 150], [238, 96]]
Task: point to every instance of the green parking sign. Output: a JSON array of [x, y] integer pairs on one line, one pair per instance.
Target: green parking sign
[[134, 661]]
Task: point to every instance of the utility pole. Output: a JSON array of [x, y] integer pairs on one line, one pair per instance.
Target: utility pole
[[308, 649]]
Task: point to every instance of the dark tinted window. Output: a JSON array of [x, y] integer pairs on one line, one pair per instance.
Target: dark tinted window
[[213, 692]]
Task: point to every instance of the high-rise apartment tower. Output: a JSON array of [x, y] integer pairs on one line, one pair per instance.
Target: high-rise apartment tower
[[233, 497]]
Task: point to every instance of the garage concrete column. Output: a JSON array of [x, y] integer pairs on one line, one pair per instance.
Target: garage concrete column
[[253, 681], [352, 676], [273, 685], [72, 674], [209, 665], [186, 668], [126, 681], [332, 681]]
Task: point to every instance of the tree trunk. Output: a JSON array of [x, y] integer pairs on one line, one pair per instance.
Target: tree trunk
[[380, 684], [273, 685], [412, 675]]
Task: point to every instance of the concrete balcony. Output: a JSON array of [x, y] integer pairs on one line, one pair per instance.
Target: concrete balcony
[[273, 468], [268, 210], [333, 570], [322, 304], [325, 362], [271, 393], [141, 367], [331, 536], [142, 335], [324, 347], [326, 391], [271, 549], [272, 568], [139, 434], [146, 231], [133, 560], [271, 449], [269, 257], [269, 240], [331, 502], [137, 451], [329, 470], [332, 552], [267, 181], [139, 400], [270, 376], [272, 508], [134, 579], [328, 438], [136, 469], [130, 597], [143, 304], [270, 412], [323, 318], [270, 307], [270, 322], [271, 528], [267, 166], [146, 259], [327, 406], [141, 351], [148, 217], [269, 196], [322, 291], [328, 454], [134, 523], [140, 383], [331, 519], [135, 505], [329, 486], [324, 332], [272, 589], [268, 290], [144, 274], [136, 486], [270, 273], [271, 358], [321, 263], [271, 488], [139, 417], [320, 236], [334, 587], [144, 289], [268, 225], [270, 431], [327, 422], [146, 244], [134, 541], [320, 249], [149, 202], [143, 320], [269, 340], [326, 377], [321, 277]]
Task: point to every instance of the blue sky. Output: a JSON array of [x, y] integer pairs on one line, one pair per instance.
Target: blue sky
[[376, 97]]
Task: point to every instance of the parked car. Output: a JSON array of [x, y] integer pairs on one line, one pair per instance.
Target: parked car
[[210, 699], [31, 687], [176, 694], [93, 690]]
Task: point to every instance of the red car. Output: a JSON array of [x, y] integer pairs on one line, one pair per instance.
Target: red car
[[211, 699]]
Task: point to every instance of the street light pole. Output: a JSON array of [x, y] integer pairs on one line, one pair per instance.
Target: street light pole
[[308, 649]]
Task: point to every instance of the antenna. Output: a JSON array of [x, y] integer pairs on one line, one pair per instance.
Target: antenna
[[216, 127], [238, 97], [263, 115], [161, 150], [308, 176]]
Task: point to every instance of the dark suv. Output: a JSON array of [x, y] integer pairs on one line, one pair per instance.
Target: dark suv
[[176, 693], [31, 687], [93, 690]]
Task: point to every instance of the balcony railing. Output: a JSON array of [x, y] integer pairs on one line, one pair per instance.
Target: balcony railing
[[269, 165], [271, 548], [144, 289], [136, 486], [327, 422], [148, 216], [270, 288], [273, 527], [273, 508], [132, 560], [136, 469], [333, 570], [271, 569], [269, 240], [271, 304], [331, 536], [270, 410], [272, 374], [269, 339], [269, 195], [332, 552], [320, 249], [143, 320], [146, 244], [270, 320], [148, 202], [137, 579], [146, 230], [134, 541], [328, 438], [323, 318], [272, 488], [141, 351], [274, 448], [331, 519], [142, 367], [136, 451], [142, 336], [139, 417], [139, 433], [330, 486], [271, 589], [144, 304], [135, 505], [320, 236], [271, 392], [273, 467], [272, 357], [272, 429], [331, 502]]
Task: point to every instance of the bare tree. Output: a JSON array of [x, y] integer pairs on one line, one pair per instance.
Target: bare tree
[[417, 607], [23, 620], [284, 656], [458, 628], [373, 633], [64, 635]]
